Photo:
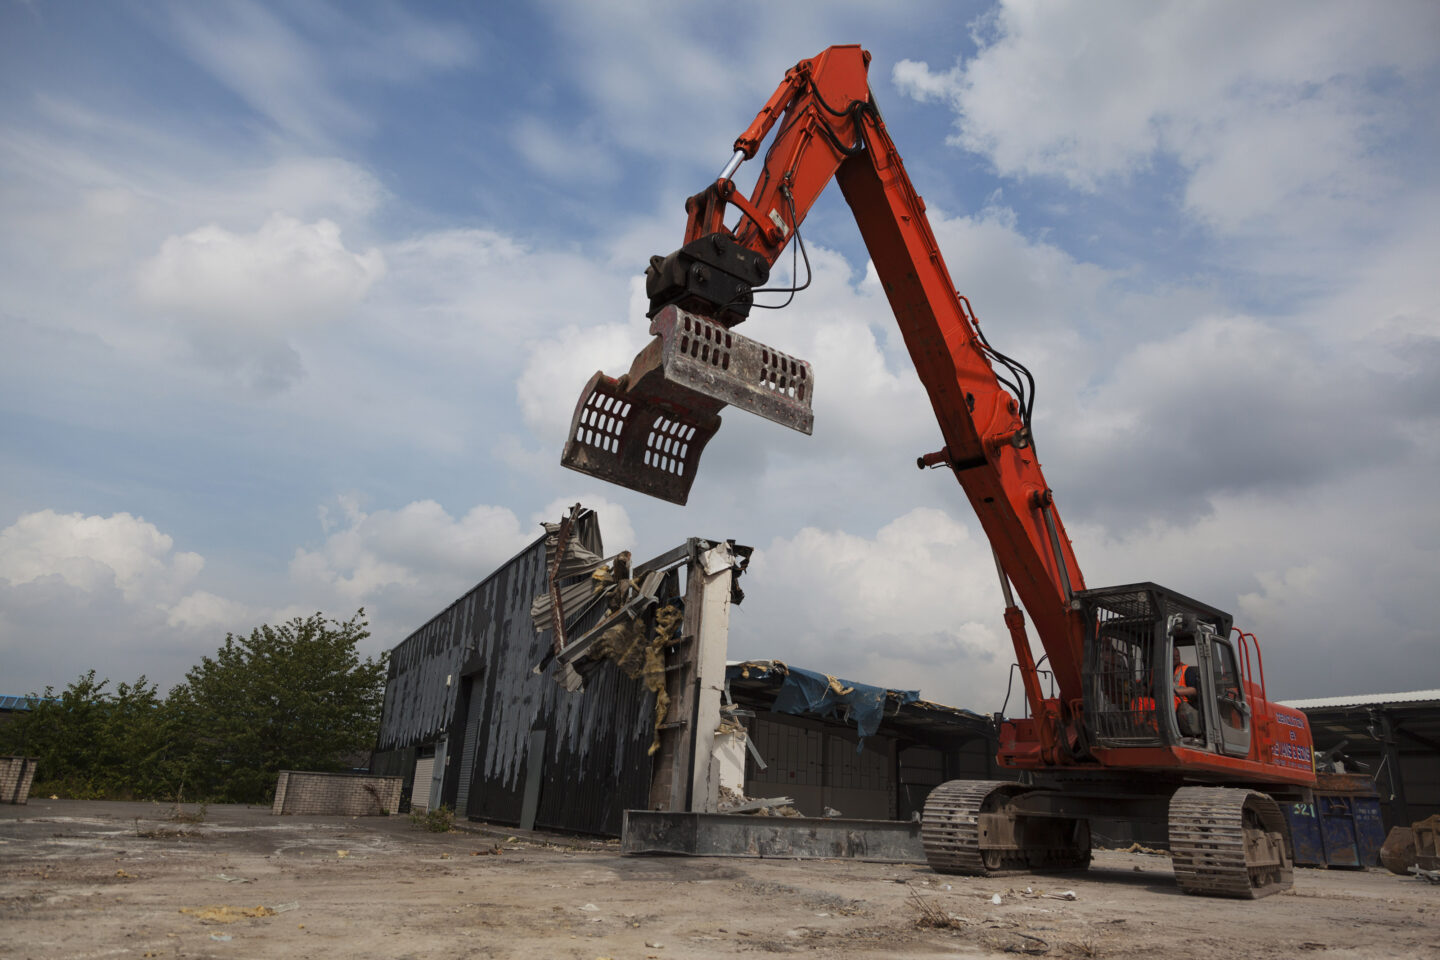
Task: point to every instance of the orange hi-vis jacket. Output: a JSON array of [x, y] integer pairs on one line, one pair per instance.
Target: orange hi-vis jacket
[[1148, 703], [1179, 682]]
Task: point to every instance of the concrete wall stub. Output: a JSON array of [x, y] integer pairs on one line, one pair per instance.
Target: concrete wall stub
[[336, 794], [16, 776]]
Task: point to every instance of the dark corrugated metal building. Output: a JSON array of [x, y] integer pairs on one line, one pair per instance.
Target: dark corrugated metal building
[[471, 723], [509, 744]]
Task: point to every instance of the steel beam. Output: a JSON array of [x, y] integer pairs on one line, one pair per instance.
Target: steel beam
[[1399, 809]]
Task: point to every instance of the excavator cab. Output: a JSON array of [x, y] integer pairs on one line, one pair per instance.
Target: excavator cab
[[1130, 675], [1223, 708]]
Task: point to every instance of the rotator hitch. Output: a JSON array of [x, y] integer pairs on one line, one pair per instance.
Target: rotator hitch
[[647, 429]]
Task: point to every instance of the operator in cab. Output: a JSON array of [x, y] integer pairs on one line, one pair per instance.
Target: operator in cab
[[1187, 695]]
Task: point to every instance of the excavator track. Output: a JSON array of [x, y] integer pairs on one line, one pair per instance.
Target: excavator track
[[954, 833], [950, 829], [1229, 843]]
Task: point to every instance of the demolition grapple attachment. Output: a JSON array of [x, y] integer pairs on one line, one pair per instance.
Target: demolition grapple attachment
[[646, 430]]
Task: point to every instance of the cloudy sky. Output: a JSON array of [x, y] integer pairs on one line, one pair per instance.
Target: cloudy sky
[[296, 300]]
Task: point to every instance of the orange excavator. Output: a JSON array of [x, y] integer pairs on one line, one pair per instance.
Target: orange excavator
[[1158, 711]]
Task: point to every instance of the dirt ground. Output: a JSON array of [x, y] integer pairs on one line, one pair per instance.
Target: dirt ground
[[80, 879]]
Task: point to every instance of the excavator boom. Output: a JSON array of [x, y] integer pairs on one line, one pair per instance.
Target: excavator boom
[[646, 430]]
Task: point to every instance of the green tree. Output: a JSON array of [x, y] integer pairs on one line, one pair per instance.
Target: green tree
[[94, 743], [294, 696]]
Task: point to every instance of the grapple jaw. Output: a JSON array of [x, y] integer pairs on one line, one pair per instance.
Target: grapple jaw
[[647, 429]]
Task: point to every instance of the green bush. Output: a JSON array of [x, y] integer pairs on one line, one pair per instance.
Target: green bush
[[95, 744], [439, 820], [296, 696], [293, 697]]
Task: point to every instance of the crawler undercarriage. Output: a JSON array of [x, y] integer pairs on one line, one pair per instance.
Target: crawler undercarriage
[[1224, 841]]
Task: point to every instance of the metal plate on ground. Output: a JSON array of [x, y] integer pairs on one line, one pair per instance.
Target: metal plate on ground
[[792, 838]]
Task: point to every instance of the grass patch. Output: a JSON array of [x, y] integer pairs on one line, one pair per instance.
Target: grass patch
[[439, 820]]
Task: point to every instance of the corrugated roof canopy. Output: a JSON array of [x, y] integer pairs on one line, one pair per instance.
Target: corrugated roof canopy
[[1413, 698], [1410, 721]]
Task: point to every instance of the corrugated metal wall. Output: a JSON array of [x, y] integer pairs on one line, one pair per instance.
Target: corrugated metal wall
[[595, 762]]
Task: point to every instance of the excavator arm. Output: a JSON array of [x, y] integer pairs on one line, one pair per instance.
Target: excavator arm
[[826, 126]]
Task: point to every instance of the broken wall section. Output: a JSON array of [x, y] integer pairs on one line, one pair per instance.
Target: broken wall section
[[836, 747], [506, 743], [673, 639]]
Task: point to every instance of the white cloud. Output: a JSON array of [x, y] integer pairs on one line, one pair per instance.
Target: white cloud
[[90, 553], [624, 90], [1228, 405], [557, 369], [205, 611], [94, 189], [1272, 109], [307, 186], [241, 297], [679, 85], [105, 593], [292, 67], [283, 275], [916, 606], [268, 65], [483, 295], [419, 550], [917, 81], [571, 155]]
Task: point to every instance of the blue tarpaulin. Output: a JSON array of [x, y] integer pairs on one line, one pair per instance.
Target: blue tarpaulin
[[816, 694]]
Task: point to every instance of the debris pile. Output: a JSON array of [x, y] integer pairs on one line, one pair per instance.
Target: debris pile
[[636, 643], [1141, 848], [1414, 849], [634, 631], [935, 918], [733, 801], [226, 914]]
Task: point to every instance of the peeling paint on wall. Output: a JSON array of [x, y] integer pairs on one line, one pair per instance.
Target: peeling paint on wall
[[595, 761]]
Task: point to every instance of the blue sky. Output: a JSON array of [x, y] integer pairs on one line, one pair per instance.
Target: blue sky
[[295, 300]]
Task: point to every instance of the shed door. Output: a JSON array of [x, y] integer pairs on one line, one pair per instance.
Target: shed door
[[470, 746], [420, 792]]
